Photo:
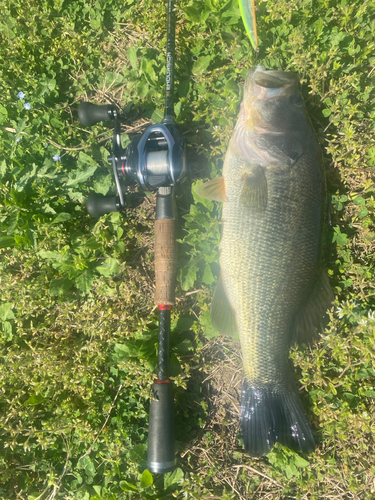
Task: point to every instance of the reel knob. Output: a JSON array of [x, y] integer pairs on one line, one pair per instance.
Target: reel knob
[[89, 114], [98, 205]]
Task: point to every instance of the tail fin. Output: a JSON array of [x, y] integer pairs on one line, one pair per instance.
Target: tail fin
[[270, 415]]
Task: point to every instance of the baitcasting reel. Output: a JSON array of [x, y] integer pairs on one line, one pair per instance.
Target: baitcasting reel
[[154, 159]]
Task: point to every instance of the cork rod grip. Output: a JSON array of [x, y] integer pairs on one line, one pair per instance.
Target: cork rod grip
[[165, 261]]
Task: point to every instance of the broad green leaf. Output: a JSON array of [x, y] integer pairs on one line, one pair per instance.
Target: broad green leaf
[[358, 200], [80, 176], [184, 347], [142, 88], [98, 490], [92, 243], [300, 462], [82, 462], [201, 64], [90, 469], [62, 217], [6, 28], [125, 486], [7, 241], [122, 352], [192, 14], [6, 311], [111, 79], [208, 277], [182, 324], [174, 365], [102, 184], [363, 213], [57, 123], [318, 26], [157, 116], [96, 23], [109, 268], [146, 479], [172, 479], [3, 114], [289, 471], [35, 399], [47, 209], [188, 275], [75, 196], [341, 239], [7, 330], [21, 183], [148, 70], [50, 255], [132, 55], [20, 127], [183, 88], [177, 109], [3, 167], [59, 286], [84, 160], [208, 330], [85, 280], [137, 454], [46, 86]]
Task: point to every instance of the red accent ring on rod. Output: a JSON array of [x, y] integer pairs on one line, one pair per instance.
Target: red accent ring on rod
[[158, 381], [164, 307]]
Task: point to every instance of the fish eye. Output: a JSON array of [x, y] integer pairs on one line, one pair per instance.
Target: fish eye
[[296, 100]]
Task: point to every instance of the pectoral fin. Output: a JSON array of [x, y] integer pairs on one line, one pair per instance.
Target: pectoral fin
[[213, 190], [222, 314], [254, 193]]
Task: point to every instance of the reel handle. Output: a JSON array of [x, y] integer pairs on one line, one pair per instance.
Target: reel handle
[[98, 205], [161, 433], [165, 248], [89, 113]]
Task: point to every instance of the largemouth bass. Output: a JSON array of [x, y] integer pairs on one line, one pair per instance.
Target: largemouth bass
[[272, 289]]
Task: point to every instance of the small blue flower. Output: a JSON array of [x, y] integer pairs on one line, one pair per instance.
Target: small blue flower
[[20, 95], [56, 157], [46, 146], [18, 139], [27, 105]]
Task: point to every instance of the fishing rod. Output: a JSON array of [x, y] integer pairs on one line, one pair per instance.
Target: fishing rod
[[156, 160]]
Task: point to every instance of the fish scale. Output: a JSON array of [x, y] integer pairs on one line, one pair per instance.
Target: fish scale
[[272, 288]]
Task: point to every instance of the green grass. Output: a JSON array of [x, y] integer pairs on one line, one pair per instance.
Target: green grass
[[78, 331]]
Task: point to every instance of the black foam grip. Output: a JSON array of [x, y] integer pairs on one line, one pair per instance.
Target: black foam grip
[[161, 440], [89, 114], [98, 205]]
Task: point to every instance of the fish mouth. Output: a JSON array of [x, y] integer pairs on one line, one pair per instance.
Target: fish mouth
[[267, 84], [263, 85]]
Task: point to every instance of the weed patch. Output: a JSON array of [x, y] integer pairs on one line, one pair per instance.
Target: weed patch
[[77, 326]]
